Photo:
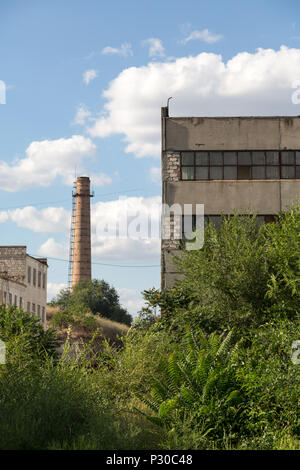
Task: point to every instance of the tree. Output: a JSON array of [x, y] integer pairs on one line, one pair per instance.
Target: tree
[[244, 276], [95, 296]]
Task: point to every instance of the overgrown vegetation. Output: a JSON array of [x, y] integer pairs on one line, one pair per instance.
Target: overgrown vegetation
[[214, 372], [96, 297]]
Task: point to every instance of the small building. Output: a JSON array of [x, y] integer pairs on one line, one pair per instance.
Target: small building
[[228, 164], [23, 281]]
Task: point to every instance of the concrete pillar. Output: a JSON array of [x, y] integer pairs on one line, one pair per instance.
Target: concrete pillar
[[82, 234]]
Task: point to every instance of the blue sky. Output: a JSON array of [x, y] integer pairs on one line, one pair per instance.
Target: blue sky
[[85, 81]]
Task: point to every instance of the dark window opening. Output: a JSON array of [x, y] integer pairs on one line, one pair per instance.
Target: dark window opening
[[244, 172]]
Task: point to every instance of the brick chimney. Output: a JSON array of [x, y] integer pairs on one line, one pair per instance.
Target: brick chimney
[[82, 268]]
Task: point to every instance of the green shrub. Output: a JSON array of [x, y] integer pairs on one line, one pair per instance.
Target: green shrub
[[95, 296], [15, 323], [199, 392]]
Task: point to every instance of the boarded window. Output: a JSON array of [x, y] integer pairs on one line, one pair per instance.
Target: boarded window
[[243, 172]]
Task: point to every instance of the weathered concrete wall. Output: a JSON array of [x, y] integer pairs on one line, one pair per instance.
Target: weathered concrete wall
[[236, 133], [259, 196]]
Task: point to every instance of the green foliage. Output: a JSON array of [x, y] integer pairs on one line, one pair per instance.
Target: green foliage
[[199, 385], [215, 369], [283, 254], [62, 299], [271, 380], [60, 406], [15, 323], [62, 319], [245, 275], [95, 296]]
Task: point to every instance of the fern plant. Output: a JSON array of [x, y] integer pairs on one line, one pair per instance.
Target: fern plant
[[198, 383]]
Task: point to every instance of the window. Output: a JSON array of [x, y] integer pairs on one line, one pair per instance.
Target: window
[[216, 173], [188, 173], [43, 314], [244, 158], [258, 172], [28, 306], [5, 300], [21, 302], [16, 301], [39, 279], [39, 310], [33, 308], [189, 223], [241, 165], [243, 172], [34, 277], [10, 299], [29, 274], [44, 281]]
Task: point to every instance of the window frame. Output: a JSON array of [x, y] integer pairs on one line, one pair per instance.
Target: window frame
[[253, 163]]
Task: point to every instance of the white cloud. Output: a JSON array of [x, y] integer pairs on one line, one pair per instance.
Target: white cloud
[[45, 161], [3, 216], [82, 114], [249, 84], [100, 179], [51, 219], [156, 49], [204, 35], [53, 289], [126, 249], [140, 216], [124, 50], [155, 174], [89, 75], [53, 249], [131, 299]]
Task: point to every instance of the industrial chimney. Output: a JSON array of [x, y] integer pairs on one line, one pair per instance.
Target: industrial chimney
[[81, 265]]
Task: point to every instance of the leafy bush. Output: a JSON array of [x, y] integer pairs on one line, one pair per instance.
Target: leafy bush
[[94, 296], [16, 323], [199, 386], [271, 380], [245, 275]]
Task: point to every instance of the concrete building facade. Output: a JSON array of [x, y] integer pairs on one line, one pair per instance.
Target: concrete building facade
[[244, 164], [23, 281], [82, 267]]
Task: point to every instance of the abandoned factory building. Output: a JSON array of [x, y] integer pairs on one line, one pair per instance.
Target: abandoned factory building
[[23, 281], [229, 164]]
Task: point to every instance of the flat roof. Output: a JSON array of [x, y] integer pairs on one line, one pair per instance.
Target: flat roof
[[233, 117]]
